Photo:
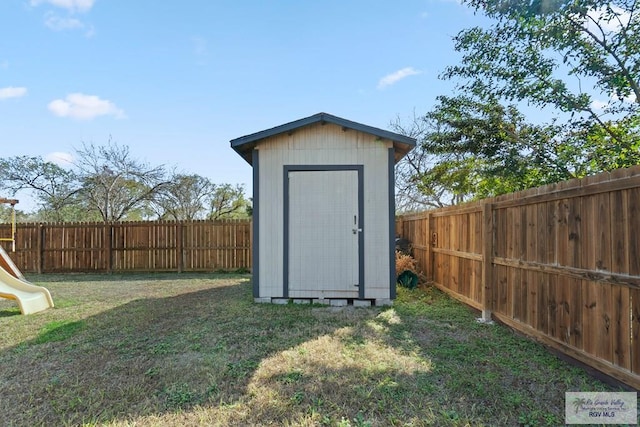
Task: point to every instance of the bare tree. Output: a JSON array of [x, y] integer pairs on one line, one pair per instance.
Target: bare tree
[[55, 188], [228, 201], [412, 194], [115, 184], [185, 197]]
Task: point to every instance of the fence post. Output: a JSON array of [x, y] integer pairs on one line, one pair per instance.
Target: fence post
[[179, 246], [109, 244], [40, 248], [487, 261], [428, 244]]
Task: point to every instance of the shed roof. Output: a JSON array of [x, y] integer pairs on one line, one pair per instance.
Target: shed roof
[[245, 144]]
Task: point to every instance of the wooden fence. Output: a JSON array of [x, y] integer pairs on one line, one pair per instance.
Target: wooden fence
[[131, 246], [560, 263]]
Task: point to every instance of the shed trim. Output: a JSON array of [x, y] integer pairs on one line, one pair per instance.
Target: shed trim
[[361, 213], [392, 224], [255, 214], [244, 145]]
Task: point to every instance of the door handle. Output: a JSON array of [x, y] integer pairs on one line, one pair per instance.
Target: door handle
[[357, 230]]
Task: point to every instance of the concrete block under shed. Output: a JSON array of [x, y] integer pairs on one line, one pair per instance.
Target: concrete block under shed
[[339, 302], [380, 302], [361, 303]]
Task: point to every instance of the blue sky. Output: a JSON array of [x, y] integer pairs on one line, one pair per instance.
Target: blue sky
[[176, 80]]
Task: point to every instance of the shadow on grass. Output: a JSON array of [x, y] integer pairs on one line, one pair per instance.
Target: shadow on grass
[[213, 357], [488, 373], [9, 312], [152, 356], [130, 277]]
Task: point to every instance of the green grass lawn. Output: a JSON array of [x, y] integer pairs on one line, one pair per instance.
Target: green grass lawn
[[189, 349]]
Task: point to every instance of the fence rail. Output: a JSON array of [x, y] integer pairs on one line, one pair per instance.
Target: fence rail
[[560, 263], [131, 246]]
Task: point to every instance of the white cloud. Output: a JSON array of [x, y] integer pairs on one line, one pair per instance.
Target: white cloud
[[608, 25], [58, 23], [91, 31], [60, 158], [599, 105], [396, 76], [84, 107], [70, 5], [12, 92]]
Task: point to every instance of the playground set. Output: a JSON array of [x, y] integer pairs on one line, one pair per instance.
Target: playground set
[[13, 285]]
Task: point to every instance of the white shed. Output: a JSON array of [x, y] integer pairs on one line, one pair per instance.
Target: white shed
[[323, 210]]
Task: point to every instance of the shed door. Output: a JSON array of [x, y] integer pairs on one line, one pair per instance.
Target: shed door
[[323, 234]]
